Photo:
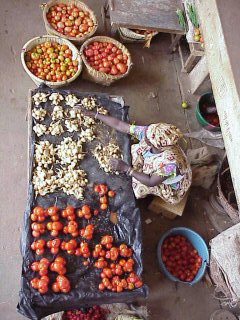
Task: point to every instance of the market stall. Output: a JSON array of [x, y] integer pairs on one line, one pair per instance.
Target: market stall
[[52, 126]]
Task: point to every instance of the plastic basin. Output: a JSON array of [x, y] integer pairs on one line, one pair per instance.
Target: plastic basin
[[206, 97], [198, 243]]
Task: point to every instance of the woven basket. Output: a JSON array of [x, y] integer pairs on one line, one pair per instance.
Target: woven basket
[[80, 5], [35, 41], [101, 77], [232, 212], [131, 35]]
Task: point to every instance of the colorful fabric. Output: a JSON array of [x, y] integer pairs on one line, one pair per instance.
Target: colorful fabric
[[171, 162], [169, 170], [163, 134], [138, 131]]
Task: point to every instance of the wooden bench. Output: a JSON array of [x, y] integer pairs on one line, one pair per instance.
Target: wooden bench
[[170, 211], [148, 14]]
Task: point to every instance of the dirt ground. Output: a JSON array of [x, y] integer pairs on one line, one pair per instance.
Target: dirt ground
[[153, 93]]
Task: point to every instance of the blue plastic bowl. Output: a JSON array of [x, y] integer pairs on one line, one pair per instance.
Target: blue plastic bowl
[[198, 243]]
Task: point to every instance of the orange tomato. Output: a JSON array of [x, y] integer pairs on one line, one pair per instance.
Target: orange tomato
[[111, 193], [103, 200], [103, 206]]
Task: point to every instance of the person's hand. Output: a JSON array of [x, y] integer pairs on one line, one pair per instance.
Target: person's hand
[[118, 165]]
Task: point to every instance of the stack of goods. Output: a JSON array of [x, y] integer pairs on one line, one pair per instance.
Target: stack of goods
[[106, 60], [74, 21], [72, 252]]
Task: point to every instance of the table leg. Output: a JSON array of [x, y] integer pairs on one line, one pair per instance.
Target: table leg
[[189, 62], [104, 11], [175, 42]]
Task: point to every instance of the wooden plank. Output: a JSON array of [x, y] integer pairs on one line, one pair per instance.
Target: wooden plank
[[148, 14], [198, 74], [168, 210]]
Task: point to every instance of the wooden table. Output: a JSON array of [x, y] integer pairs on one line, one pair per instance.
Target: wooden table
[[159, 15]]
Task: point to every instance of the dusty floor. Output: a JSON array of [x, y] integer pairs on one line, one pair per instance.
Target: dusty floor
[[154, 74]]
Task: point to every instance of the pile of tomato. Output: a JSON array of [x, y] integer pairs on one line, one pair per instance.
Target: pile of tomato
[[72, 234], [116, 263], [51, 61], [106, 57], [180, 257], [70, 20], [209, 112], [94, 313]]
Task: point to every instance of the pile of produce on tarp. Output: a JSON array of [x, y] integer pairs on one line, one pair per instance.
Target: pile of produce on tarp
[[121, 252]]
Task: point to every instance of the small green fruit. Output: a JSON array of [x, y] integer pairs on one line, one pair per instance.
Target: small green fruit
[[184, 104]]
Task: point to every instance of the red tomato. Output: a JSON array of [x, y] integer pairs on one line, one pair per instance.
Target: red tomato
[[52, 211]]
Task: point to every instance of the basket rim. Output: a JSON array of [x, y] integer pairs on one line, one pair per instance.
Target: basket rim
[[226, 204], [51, 83], [122, 29], [48, 5], [103, 74], [198, 111]]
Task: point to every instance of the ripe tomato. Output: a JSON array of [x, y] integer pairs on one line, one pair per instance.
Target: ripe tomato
[[34, 283], [86, 209], [103, 200], [103, 206], [39, 211], [103, 189], [52, 211], [111, 193]]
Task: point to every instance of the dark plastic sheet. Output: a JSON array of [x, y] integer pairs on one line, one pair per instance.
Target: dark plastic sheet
[[84, 280]]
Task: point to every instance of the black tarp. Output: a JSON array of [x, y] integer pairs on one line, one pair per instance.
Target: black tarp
[[84, 280]]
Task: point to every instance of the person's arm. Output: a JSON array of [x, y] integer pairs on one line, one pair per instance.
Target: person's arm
[[147, 180], [110, 121]]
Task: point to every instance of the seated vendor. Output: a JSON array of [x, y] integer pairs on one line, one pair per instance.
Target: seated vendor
[[159, 165]]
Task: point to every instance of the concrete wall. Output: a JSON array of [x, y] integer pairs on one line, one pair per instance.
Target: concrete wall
[[220, 22]]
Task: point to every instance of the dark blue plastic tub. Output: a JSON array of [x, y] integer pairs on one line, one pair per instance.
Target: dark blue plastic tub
[[198, 243]]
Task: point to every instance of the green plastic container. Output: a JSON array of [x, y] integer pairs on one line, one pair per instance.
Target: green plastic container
[[206, 97]]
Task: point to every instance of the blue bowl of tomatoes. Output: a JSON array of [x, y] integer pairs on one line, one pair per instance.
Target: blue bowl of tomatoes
[[182, 255]]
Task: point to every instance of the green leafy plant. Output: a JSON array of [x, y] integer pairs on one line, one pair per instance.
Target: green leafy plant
[[181, 18], [192, 13]]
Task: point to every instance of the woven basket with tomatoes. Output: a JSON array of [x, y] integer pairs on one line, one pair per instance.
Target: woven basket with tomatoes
[[51, 60], [106, 60], [69, 19]]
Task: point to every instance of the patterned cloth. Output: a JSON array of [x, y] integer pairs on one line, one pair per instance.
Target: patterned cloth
[[171, 163], [163, 134]]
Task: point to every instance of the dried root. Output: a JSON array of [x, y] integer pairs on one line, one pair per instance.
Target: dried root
[[89, 103], [103, 153], [39, 98], [72, 182], [72, 125], [70, 152], [55, 128], [71, 100], [44, 154], [58, 113], [56, 98], [40, 129], [44, 181], [87, 135], [39, 114]]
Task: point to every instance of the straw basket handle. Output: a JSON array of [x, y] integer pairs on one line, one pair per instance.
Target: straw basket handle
[[43, 5]]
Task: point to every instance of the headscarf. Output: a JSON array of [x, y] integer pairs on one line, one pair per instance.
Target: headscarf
[[163, 134]]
